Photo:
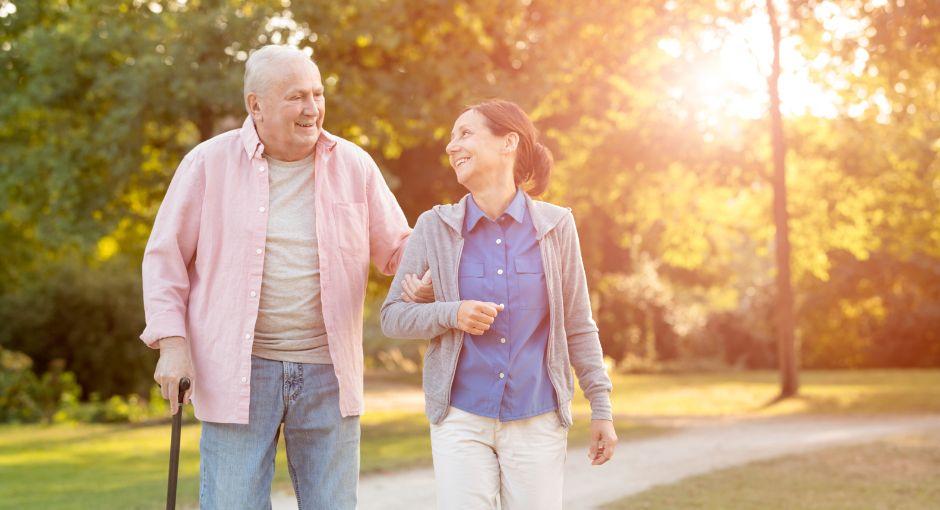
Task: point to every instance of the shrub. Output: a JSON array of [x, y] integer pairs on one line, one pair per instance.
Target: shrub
[[24, 397], [89, 317]]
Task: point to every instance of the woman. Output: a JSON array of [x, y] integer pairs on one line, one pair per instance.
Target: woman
[[511, 317]]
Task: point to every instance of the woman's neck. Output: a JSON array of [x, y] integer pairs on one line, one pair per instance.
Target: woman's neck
[[495, 198]]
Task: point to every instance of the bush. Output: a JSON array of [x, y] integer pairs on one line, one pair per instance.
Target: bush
[[883, 311], [116, 409], [24, 397], [56, 397], [637, 316], [89, 317], [742, 340]]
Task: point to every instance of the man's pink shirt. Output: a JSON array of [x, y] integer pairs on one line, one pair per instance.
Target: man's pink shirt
[[203, 263]]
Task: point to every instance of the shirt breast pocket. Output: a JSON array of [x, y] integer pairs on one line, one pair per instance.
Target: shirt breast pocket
[[472, 281], [530, 283], [352, 228]]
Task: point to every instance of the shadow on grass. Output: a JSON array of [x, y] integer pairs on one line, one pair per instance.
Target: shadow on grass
[[881, 401], [777, 400]]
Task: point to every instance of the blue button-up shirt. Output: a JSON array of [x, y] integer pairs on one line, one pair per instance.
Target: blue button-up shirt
[[503, 373]]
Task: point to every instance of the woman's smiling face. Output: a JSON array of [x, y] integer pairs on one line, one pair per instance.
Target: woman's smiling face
[[474, 151]]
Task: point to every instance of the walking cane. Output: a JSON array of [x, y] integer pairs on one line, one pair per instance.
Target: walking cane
[[175, 447]]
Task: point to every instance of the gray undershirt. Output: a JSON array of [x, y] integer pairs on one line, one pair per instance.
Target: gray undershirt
[[290, 315]]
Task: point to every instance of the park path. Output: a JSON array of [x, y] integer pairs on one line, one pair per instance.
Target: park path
[[697, 446]]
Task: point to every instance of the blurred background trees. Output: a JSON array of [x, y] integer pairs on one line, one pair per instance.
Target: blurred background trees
[[656, 112]]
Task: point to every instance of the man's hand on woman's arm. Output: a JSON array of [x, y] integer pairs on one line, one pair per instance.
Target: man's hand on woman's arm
[[415, 290]]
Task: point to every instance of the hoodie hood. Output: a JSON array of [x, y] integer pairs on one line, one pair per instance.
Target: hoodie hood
[[545, 216]]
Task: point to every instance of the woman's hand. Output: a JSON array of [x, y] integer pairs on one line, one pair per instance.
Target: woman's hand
[[603, 441], [475, 317]]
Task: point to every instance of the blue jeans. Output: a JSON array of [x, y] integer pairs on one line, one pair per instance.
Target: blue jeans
[[237, 461]]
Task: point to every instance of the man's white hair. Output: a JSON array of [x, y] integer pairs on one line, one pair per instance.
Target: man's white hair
[[266, 64]]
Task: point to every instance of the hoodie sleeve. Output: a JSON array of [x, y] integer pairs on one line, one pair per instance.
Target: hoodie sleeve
[[401, 319], [584, 345]]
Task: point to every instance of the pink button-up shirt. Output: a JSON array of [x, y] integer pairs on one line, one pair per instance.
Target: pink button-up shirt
[[203, 264]]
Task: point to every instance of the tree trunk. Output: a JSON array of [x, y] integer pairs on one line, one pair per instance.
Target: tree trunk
[[786, 339]]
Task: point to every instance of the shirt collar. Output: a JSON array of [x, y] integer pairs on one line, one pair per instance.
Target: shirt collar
[[254, 147], [516, 210], [249, 136]]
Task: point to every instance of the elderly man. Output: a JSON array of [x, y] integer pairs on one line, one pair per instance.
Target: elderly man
[[254, 278]]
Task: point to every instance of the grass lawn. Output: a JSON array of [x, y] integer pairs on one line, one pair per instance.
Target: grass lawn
[[748, 393], [898, 473], [120, 466], [125, 467]]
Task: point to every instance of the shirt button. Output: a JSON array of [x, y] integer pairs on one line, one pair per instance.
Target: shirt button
[[247, 336], [502, 375], [261, 209], [253, 293], [258, 251], [499, 241], [261, 169], [502, 340], [499, 271], [244, 379]]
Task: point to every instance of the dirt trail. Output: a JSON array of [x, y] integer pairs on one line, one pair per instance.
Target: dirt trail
[[699, 447]]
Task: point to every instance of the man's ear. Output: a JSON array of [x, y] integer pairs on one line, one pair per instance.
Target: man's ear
[[511, 142], [254, 106]]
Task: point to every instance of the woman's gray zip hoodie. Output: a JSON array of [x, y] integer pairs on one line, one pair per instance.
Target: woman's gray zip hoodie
[[437, 243]]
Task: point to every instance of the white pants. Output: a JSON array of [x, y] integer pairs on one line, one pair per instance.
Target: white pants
[[478, 460]]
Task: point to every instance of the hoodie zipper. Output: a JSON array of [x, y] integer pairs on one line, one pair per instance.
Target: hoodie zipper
[[551, 328], [456, 282]]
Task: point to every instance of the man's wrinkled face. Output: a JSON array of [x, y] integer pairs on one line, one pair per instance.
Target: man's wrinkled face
[[292, 112]]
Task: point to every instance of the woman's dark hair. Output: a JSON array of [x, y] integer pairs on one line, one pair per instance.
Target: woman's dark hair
[[534, 161]]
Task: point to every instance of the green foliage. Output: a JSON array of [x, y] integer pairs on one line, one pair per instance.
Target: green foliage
[[55, 397], [24, 397], [642, 303], [101, 99], [668, 185], [875, 312], [89, 317], [116, 409]]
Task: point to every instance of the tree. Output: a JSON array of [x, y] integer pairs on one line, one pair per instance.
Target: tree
[[788, 361], [101, 100]]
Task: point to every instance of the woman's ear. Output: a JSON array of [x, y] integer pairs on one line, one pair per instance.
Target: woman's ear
[[511, 142]]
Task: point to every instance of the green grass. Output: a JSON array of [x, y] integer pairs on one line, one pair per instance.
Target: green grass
[[898, 473], [748, 393], [92, 466], [125, 467], [120, 466]]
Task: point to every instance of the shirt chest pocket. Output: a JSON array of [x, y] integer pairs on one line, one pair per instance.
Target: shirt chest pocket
[[472, 282], [352, 228], [530, 283]]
